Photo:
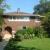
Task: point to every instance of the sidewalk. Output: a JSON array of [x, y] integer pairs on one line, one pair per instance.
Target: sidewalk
[[3, 44]]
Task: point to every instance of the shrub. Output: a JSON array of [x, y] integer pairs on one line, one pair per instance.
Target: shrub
[[25, 33], [40, 32], [46, 23], [20, 34], [30, 33], [18, 37], [12, 44], [0, 38]]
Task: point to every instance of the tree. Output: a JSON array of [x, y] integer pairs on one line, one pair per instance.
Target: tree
[[46, 23], [42, 8], [43, 1], [3, 6]]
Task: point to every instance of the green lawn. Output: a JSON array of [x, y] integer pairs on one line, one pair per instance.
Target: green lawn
[[36, 44]]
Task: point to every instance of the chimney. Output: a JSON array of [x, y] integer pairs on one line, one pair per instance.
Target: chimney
[[18, 10]]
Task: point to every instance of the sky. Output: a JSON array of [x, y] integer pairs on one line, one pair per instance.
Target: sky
[[24, 5]]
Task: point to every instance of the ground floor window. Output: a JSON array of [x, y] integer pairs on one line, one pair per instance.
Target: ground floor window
[[24, 27]]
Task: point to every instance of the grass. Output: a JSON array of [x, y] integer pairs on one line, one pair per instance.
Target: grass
[[37, 43]]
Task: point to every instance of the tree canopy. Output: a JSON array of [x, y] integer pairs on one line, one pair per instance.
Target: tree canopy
[[3, 6], [42, 8]]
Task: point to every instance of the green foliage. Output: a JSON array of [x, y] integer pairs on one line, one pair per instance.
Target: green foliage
[[1, 21], [41, 33], [1, 11], [43, 1], [42, 8], [18, 37], [29, 33], [3, 6], [33, 44], [25, 33], [1, 1], [14, 45], [46, 23], [11, 45]]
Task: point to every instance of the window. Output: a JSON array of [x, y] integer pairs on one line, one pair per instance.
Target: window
[[19, 18], [24, 27], [14, 17], [32, 17], [37, 17], [10, 17]]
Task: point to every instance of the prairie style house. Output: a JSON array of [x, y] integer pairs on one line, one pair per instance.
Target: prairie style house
[[19, 20]]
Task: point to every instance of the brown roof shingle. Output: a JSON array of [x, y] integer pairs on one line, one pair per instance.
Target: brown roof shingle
[[19, 14]]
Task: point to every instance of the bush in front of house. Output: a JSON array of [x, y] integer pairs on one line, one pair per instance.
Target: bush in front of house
[[40, 32], [25, 33], [29, 33], [20, 35]]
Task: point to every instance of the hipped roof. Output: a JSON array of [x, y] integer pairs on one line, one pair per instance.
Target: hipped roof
[[20, 14]]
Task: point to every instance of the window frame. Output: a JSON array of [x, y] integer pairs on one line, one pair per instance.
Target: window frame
[[19, 19]]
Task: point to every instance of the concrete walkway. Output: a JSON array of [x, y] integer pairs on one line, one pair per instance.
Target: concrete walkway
[[3, 44], [5, 41], [6, 38]]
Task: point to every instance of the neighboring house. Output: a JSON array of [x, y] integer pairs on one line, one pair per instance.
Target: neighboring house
[[19, 20]]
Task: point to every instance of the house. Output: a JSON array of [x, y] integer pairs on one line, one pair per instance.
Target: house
[[19, 20]]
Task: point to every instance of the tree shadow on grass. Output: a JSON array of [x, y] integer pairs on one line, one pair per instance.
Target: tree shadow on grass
[[13, 45], [23, 48], [20, 48], [26, 48]]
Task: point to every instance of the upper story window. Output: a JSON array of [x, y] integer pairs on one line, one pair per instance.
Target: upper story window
[[19, 18], [35, 17], [10, 17], [14, 17], [32, 17]]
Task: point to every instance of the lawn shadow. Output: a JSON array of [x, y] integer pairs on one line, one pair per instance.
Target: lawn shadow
[[24, 48], [13, 45]]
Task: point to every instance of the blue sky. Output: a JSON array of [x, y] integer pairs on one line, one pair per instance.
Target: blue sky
[[24, 5]]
